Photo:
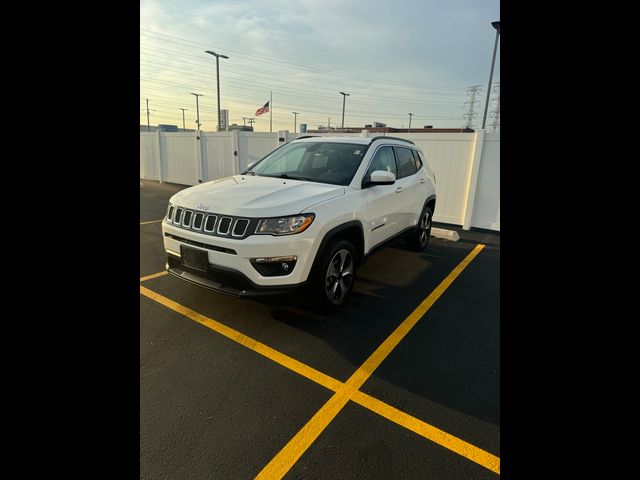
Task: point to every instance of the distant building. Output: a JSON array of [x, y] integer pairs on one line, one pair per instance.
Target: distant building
[[242, 128], [427, 129], [167, 128], [224, 120]]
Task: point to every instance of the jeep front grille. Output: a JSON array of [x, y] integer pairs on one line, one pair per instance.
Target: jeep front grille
[[210, 223]]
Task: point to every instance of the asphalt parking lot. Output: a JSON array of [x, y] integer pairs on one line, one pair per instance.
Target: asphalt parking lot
[[403, 382]]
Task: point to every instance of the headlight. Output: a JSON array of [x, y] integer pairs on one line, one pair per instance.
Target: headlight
[[285, 225]]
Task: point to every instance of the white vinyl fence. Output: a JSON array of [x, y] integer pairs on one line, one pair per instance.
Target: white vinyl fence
[[467, 165]]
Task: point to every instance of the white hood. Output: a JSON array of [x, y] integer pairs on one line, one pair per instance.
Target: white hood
[[255, 196]]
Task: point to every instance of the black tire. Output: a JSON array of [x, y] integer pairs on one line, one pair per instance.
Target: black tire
[[334, 279], [420, 239]]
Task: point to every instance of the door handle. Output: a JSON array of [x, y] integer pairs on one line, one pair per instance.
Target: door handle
[[422, 180], [398, 189]]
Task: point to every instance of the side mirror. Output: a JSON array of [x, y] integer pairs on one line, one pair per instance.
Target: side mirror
[[382, 177]]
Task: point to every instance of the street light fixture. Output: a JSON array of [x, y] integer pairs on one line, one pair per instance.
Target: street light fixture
[[410, 115], [344, 97], [295, 118], [198, 109], [218, 57], [495, 25], [184, 129]]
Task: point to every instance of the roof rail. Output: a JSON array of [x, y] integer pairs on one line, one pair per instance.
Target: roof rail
[[390, 138], [307, 136]]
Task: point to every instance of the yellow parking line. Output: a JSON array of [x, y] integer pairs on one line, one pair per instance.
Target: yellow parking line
[[442, 438], [344, 391], [153, 275], [293, 450], [151, 221], [258, 347]]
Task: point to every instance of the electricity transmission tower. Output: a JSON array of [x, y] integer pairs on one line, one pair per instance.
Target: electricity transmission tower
[[495, 112], [470, 115]]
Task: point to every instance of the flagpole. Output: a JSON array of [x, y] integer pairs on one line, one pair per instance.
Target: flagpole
[[270, 110]]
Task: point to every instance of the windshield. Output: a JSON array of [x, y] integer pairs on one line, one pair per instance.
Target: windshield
[[323, 162]]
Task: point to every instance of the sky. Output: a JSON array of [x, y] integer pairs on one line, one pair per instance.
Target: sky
[[392, 57]]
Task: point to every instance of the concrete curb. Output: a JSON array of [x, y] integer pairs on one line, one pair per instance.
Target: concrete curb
[[451, 235]]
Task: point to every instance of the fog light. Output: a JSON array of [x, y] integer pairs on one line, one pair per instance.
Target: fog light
[[274, 266]]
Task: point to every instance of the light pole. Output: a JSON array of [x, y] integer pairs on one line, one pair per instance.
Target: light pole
[[295, 118], [495, 25], [218, 57], [184, 129], [197, 109], [410, 115], [344, 98], [148, 126]]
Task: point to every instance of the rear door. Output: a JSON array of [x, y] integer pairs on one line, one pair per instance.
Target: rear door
[[408, 188]]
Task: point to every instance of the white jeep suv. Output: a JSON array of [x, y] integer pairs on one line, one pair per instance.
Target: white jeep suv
[[306, 215]]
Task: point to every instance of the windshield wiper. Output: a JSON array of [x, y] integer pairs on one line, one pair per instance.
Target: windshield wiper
[[290, 177], [248, 172]]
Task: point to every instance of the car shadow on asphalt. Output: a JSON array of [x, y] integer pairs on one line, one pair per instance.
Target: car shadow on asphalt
[[450, 358]]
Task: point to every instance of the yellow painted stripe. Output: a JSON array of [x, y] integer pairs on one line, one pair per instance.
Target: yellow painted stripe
[[293, 450], [151, 221], [328, 412], [153, 275], [442, 438], [258, 347], [368, 367]]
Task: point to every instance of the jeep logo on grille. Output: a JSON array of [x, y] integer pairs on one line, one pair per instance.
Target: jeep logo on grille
[[202, 207]]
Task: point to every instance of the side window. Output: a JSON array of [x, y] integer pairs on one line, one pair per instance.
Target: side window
[[416, 157], [382, 160], [406, 162]]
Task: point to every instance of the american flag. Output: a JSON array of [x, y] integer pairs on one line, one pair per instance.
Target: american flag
[[262, 110]]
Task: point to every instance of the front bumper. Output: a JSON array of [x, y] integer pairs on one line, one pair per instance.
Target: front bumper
[[225, 280], [230, 269]]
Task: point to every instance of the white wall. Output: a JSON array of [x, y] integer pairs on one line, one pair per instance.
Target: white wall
[[449, 155], [468, 181], [486, 211], [149, 155]]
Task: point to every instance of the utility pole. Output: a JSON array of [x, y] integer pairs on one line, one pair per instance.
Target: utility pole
[[184, 129], [295, 118], [197, 109], [410, 115], [344, 98], [148, 126], [471, 114], [251, 120], [329, 123]]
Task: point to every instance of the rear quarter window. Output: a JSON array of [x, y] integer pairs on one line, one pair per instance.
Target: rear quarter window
[[417, 159]]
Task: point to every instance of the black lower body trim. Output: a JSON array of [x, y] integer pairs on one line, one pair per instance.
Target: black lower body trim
[[226, 280]]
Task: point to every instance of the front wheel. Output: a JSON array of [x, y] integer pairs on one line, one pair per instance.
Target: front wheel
[[336, 276], [420, 238]]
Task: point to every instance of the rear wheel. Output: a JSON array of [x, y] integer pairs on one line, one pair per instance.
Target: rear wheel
[[336, 276], [420, 239]]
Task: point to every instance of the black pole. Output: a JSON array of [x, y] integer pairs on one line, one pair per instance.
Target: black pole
[[496, 25]]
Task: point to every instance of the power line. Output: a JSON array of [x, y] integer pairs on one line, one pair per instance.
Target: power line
[[472, 92], [495, 113], [189, 43]]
